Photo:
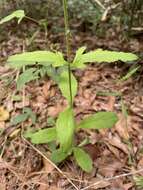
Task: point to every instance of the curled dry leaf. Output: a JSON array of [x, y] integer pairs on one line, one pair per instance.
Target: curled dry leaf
[[121, 127], [4, 114]]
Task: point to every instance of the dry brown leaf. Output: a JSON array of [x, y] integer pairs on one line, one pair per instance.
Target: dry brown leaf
[[53, 111], [41, 99], [116, 141], [2, 186], [140, 165], [120, 185], [4, 114], [114, 150], [46, 90], [121, 127], [21, 104], [47, 166], [52, 92], [43, 187], [101, 184], [111, 102], [54, 188], [2, 125], [128, 186], [108, 165], [15, 133]]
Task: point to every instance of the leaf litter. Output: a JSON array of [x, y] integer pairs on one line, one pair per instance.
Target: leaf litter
[[110, 148]]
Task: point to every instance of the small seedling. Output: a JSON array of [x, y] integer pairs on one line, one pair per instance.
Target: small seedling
[[53, 63]]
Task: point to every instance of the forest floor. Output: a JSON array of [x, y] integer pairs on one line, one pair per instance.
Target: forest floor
[[117, 153]]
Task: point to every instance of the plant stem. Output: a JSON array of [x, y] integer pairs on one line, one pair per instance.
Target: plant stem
[[67, 35], [32, 19]]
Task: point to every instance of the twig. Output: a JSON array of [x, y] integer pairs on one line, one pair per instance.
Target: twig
[[112, 178], [48, 160]]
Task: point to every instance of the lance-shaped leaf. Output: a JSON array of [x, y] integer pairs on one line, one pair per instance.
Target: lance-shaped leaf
[[99, 120], [100, 55], [25, 77], [83, 159], [64, 85], [129, 74], [65, 129], [45, 58], [19, 14], [42, 136]]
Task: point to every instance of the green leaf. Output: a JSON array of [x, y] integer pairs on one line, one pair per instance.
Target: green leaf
[[19, 119], [99, 120], [19, 14], [26, 77], [30, 113], [100, 55], [104, 93], [65, 129], [45, 58], [42, 136], [83, 159], [64, 85], [129, 74], [77, 60], [58, 156]]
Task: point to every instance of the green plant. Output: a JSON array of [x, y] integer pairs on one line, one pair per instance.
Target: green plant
[[38, 63], [139, 181]]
